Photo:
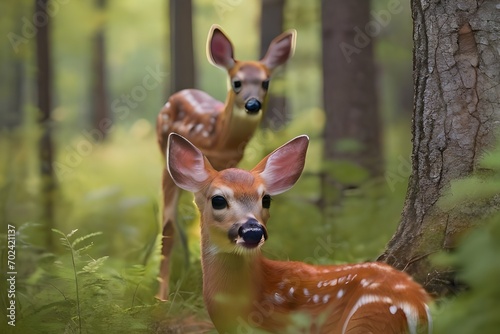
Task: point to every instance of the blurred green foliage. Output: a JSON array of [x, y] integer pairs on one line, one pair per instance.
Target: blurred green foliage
[[114, 187], [475, 310]]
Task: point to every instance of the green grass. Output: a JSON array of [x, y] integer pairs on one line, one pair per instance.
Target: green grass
[[102, 277], [111, 197]]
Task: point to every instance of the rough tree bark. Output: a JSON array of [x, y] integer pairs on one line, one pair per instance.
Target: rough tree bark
[[181, 45], [349, 92], [45, 145], [456, 115]]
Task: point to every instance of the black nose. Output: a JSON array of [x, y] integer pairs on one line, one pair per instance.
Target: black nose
[[252, 232], [253, 106]]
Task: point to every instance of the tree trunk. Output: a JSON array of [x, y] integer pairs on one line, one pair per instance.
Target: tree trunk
[[101, 116], [181, 45], [456, 115], [11, 114], [271, 25], [44, 89], [352, 129]]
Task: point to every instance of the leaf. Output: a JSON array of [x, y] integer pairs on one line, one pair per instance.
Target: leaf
[[94, 265], [85, 237], [349, 145], [71, 233], [346, 172], [491, 160], [58, 232], [84, 248]]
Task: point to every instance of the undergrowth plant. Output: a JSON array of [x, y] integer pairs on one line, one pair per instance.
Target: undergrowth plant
[[77, 293], [74, 293], [477, 309], [76, 254]]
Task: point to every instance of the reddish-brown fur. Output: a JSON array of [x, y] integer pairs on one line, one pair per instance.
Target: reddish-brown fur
[[220, 130], [243, 290]]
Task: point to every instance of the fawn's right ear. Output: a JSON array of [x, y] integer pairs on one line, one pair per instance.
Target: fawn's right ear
[[219, 48], [186, 164]]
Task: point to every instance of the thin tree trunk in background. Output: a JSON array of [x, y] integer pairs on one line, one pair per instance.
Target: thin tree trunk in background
[[46, 146], [101, 116], [352, 129], [455, 118], [182, 66], [11, 115], [181, 45], [271, 25]]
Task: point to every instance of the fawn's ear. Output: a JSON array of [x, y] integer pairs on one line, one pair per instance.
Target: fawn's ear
[[219, 48], [280, 50], [186, 164], [282, 167]]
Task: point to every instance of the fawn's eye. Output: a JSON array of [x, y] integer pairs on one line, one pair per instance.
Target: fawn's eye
[[237, 86], [219, 202], [266, 201], [265, 84]]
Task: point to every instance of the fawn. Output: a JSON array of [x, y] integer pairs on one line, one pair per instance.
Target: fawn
[[243, 290], [220, 130]]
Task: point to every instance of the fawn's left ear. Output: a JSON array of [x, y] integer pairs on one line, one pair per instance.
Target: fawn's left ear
[[186, 164], [280, 50], [282, 167]]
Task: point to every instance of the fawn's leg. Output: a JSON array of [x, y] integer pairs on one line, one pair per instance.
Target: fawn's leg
[[170, 200]]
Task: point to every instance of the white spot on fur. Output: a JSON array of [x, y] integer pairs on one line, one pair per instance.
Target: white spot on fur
[[306, 292], [315, 299], [340, 293], [291, 291], [393, 309], [326, 298], [363, 300], [429, 319], [198, 128], [364, 282], [278, 299], [411, 314]]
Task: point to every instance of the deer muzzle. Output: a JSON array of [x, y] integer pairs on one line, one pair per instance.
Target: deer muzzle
[[252, 233], [253, 106]]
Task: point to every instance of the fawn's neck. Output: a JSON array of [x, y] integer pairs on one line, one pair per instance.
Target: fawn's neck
[[238, 126], [231, 285]]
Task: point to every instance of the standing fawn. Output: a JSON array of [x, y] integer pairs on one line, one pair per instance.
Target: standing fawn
[[220, 130], [243, 290]]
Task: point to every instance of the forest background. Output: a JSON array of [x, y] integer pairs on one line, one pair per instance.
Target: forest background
[[102, 277]]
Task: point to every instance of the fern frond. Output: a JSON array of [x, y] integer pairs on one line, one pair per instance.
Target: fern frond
[[84, 248], [85, 237], [58, 232], [64, 239], [70, 234], [94, 265]]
